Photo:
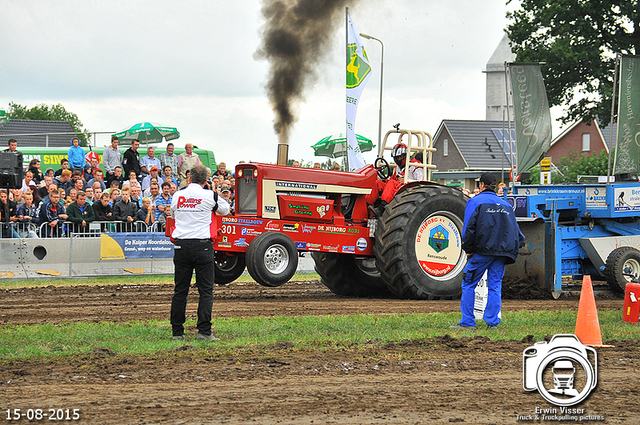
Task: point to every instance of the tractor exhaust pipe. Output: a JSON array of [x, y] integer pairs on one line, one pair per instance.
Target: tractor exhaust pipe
[[283, 148], [283, 153]]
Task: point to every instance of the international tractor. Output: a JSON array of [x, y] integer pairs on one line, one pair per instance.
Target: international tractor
[[412, 250]]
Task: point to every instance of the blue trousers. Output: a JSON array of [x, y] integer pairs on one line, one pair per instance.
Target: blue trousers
[[473, 272]]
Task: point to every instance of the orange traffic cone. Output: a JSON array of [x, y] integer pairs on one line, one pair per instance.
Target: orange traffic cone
[[587, 325]]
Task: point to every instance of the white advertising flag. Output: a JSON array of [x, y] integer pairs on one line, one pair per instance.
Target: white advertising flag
[[358, 73]]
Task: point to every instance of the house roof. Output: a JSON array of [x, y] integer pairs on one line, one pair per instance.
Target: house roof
[[478, 143], [33, 133]]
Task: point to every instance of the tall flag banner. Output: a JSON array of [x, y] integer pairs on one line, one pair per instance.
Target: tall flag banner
[[628, 135], [358, 73], [532, 115]]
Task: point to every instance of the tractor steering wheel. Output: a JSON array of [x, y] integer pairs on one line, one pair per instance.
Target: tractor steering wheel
[[384, 170]]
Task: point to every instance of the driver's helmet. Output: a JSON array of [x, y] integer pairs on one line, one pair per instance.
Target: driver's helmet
[[399, 154]]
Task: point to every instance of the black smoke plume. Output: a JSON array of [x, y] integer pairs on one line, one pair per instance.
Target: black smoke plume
[[295, 38]]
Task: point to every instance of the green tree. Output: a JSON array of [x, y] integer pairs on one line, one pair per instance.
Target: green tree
[[581, 165], [50, 113], [572, 166], [577, 40]]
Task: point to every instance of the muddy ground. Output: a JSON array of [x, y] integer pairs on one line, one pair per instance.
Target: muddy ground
[[439, 380]]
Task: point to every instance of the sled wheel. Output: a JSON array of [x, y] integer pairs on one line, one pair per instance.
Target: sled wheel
[[622, 267], [272, 259], [344, 274], [228, 267], [418, 244]]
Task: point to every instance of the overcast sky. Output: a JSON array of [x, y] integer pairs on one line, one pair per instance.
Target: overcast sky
[[191, 64]]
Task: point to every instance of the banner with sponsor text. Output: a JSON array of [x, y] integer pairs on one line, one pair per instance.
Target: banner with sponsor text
[[627, 158], [532, 115]]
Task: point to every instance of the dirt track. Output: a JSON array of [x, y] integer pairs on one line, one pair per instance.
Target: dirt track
[[439, 380]]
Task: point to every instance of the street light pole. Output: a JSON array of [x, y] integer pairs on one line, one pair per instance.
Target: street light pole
[[368, 37]]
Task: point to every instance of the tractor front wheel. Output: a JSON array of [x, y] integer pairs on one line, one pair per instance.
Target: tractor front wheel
[[272, 259], [418, 243]]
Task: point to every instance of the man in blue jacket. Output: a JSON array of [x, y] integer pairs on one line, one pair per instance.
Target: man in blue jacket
[[491, 238], [76, 155]]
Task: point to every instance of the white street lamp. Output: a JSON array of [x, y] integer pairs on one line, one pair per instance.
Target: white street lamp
[[368, 37]]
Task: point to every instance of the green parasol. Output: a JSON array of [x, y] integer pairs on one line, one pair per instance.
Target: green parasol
[[148, 132], [335, 146]]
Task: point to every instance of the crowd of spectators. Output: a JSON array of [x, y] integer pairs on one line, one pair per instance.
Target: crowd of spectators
[[131, 193]]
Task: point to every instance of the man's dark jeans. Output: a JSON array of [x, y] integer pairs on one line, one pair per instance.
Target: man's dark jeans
[[198, 255]]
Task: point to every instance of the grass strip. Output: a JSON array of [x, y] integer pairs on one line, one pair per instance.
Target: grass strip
[[305, 332], [125, 280]]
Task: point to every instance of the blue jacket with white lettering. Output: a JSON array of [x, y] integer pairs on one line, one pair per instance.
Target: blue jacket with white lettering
[[490, 227]]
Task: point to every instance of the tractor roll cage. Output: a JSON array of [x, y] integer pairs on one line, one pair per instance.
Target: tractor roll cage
[[424, 145]]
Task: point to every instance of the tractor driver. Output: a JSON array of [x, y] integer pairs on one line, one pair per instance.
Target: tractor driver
[[387, 190]]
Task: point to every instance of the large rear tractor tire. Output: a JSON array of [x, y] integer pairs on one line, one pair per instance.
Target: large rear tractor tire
[[272, 259], [344, 274], [419, 243], [228, 267], [622, 267]]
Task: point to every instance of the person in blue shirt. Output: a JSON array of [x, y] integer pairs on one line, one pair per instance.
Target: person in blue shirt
[[76, 155], [491, 238]]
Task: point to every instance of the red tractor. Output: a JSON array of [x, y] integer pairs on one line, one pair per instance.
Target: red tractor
[[413, 250]]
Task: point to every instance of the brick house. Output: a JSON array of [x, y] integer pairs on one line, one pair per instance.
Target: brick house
[[580, 137]]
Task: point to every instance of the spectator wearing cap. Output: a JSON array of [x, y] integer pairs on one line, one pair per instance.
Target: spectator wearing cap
[[225, 192], [148, 161], [153, 173], [170, 159], [491, 238]]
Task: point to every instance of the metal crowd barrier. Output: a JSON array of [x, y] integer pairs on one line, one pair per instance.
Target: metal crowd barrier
[[67, 229], [18, 229]]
